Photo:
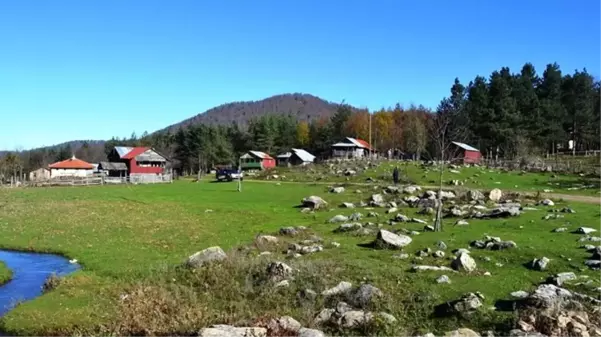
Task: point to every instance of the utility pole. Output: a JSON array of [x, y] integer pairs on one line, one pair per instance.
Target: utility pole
[[239, 175], [369, 134]]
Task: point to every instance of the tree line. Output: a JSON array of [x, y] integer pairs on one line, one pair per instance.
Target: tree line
[[506, 115]]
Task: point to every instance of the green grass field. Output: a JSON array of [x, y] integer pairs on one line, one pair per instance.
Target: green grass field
[[130, 238], [477, 177], [5, 273]]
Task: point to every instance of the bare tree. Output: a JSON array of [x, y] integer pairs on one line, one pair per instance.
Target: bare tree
[[443, 131]]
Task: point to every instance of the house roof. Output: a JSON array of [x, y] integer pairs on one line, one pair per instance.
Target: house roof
[[123, 150], [134, 152], [465, 146], [285, 155], [352, 142], [71, 163], [112, 166], [260, 154], [303, 155], [140, 153]]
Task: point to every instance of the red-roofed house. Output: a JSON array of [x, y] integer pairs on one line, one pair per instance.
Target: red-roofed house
[[351, 148], [256, 160], [71, 167], [140, 161]]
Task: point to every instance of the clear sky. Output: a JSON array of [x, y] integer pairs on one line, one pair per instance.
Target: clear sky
[[101, 68]]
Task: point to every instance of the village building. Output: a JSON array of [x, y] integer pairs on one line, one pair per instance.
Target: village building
[[142, 163], [256, 160], [71, 167], [41, 174], [468, 154], [296, 157], [351, 148], [112, 169]]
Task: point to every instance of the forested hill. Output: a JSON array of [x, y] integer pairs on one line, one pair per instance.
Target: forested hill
[[303, 107]]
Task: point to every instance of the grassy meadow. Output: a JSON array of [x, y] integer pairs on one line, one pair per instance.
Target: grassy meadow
[[476, 177], [131, 239], [5, 273]]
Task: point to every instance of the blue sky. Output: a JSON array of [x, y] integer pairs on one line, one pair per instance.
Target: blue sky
[[95, 69]]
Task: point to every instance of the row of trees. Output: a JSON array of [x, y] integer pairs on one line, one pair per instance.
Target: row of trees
[[505, 115]]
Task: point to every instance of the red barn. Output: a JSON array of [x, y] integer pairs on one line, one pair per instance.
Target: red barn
[[140, 161], [256, 160], [469, 154]]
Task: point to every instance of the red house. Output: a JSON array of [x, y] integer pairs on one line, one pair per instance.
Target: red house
[[140, 161], [469, 154], [256, 160]]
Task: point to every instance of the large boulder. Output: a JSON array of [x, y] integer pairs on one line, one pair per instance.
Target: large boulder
[[338, 218], [560, 278], [365, 295], [388, 239], [341, 288], [495, 195], [355, 318], [540, 264], [464, 262], [585, 230], [205, 256], [546, 295], [377, 198], [278, 271], [338, 189], [314, 202]]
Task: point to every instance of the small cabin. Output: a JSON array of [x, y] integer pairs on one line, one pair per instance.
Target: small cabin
[[351, 148], [256, 160], [468, 153], [296, 157]]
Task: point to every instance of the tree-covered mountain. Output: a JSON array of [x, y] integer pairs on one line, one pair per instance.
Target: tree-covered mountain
[[302, 107]]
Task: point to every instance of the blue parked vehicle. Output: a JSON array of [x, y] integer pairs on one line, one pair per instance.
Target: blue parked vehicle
[[228, 174]]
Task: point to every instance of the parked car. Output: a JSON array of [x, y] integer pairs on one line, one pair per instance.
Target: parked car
[[225, 174]]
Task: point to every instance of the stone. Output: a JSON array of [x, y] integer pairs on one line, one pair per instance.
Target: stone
[[402, 256], [392, 210], [461, 223], [347, 227], [418, 268], [266, 239], [540, 264], [420, 221], [559, 279], [278, 271], [428, 228], [305, 332], [502, 245], [230, 331], [464, 262], [547, 202], [560, 230], [324, 316], [462, 332], [461, 251], [306, 296], [526, 327], [355, 217], [441, 245], [355, 318], [211, 254], [411, 189], [567, 210], [445, 195], [347, 205], [338, 189], [438, 254], [593, 264], [475, 195], [290, 231], [310, 249], [467, 303], [372, 215], [334, 244], [443, 279], [365, 295], [377, 198], [390, 240], [546, 295], [338, 218], [426, 211], [283, 326], [342, 307], [520, 294], [585, 230], [401, 218], [341, 288], [386, 318], [495, 195], [314, 202]]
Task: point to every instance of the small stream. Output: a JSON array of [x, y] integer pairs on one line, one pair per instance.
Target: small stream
[[29, 271]]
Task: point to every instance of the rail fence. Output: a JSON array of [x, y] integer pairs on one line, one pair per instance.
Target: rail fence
[[99, 180]]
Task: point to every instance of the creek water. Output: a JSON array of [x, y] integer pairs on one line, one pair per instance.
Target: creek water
[[29, 272]]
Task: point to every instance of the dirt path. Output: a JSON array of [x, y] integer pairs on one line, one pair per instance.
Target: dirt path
[[569, 197]]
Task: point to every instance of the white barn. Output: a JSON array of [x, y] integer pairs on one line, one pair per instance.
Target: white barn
[[72, 167]]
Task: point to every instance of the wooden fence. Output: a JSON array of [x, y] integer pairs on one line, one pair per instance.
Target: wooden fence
[[100, 180]]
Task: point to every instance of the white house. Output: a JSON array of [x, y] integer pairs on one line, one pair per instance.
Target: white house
[[40, 174], [295, 157], [72, 167], [351, 148]]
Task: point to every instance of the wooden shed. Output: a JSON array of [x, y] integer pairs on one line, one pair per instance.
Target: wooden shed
[[256, 160], [469, 154]]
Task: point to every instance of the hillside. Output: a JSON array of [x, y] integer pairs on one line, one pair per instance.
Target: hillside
[[304, 106]]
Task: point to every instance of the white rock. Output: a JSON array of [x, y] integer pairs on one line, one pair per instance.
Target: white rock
[[340, 288], [387, 238], [586, 230], [464, 262], [230, 331], [205, 256], [304, 332], [495, 195]]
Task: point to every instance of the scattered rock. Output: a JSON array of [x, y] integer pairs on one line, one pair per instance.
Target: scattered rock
[[401, 256], [205, 256], [314, 202], [305, 332], [355, 318], [475, 195], [567, 210], [520, 294], [290, 231], [418, 268], [392, 210], [283, 326], [338, 189], [443, 279], [338, 218], [372, 215], [468, 303], [546, 295], [540, 264], [547, 202], [464, 262], [462, 332], [266, 239], [438, 254], [377, 198], [364, 295], [461, 223], [495, 195], [306, 296], [441, 245], [401, 218], [347, 227], [585, 230], [347, 205], [420, 221], [324, 316], [355, 217], [278, 271], [428, 228], [388, 239], [341, 288], [411, 189], [559, 279], [560, 230]]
